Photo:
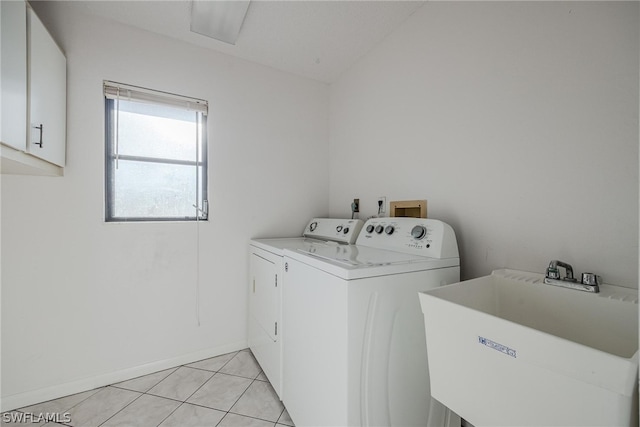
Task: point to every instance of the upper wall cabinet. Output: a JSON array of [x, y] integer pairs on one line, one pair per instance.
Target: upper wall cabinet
[[34, 88], [47, 94], [14, 74]]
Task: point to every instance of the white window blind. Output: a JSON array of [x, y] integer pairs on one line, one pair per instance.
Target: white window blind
[[113, 90]]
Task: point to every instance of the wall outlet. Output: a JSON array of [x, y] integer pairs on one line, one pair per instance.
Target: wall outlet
[[382, 205], [355, 206]]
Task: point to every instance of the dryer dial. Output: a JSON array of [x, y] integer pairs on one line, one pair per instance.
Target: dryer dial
[[418, 232]]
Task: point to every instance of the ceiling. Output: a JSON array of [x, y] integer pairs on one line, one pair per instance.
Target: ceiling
[[315, 39]]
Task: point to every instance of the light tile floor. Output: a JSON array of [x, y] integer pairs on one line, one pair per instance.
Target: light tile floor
[[225, 391]]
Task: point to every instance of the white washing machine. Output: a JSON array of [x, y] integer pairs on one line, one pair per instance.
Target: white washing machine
[[354, 348], [266, 284]]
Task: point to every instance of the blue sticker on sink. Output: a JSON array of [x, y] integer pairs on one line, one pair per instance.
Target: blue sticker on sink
[[497, 346]]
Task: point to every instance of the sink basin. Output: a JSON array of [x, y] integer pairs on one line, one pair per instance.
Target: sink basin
[[506, 349]]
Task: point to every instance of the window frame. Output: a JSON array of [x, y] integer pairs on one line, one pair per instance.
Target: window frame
[[111, 157]]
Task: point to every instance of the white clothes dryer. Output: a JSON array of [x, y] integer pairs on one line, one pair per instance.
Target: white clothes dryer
[[265, 324], [354, 348]]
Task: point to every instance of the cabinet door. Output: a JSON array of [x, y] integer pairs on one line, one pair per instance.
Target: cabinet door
[[47, 94], [263, 297], [13, 80]]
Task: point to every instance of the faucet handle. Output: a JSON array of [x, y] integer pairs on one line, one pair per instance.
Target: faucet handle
[[590, 279], [553, 272]]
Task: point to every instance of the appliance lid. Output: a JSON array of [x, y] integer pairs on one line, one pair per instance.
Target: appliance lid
[[318, 231], [278, 245], [358, 256], [357, 262]]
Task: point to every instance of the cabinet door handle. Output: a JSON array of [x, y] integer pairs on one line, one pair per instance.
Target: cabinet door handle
[[39, 127]]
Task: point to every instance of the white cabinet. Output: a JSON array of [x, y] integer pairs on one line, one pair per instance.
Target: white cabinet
[[13, 127], [47, 94], [34, 92], [264, 313], [264, 296]]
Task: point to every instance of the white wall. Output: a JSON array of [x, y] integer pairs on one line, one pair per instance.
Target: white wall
[[86, 303], [517, 121]]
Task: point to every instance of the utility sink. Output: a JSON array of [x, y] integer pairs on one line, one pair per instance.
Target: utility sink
[[507, 349]]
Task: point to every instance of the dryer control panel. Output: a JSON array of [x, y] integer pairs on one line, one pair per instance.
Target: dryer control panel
[[333, 229], [419, 236]]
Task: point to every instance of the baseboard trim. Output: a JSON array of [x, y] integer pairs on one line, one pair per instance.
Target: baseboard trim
[[20, 400]]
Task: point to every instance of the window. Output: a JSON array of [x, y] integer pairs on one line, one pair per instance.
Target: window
[[156, 155]]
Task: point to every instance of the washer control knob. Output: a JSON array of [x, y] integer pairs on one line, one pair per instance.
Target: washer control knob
[[379, 229], [419, 232], [370, 228], [312, 226], [345, 230], [339, 228], [389, 230]]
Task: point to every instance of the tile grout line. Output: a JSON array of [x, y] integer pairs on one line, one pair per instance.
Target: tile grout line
[[240, 397], [171, 413], [121, 409], [182, 402], [282, 412], [160, 397], [97, 390], [284, 408], [159, 381], [51, 400], [242, 394], [195, 391], [66, 410], [156, 385], [201, 385], [232, 375], [245, 390], [253, 418], [142, 394]]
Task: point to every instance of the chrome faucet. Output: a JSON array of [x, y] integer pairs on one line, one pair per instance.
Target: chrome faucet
[[554, 273], [589, 280]]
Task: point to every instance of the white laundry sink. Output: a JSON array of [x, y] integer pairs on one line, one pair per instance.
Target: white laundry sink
[[506, 349]]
